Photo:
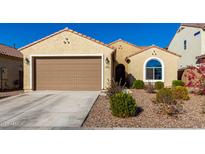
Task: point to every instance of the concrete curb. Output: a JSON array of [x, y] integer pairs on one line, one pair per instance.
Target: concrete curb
[[89, 112]]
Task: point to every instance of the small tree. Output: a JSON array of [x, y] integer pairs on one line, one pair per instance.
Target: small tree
[[196, 78]]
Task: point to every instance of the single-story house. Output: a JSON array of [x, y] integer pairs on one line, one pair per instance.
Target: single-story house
[[149, 64], [68, 60], [11, 68]]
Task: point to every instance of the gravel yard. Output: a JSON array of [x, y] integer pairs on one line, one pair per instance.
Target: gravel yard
[[100, 115]]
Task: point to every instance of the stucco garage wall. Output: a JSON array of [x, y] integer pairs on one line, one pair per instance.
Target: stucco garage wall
[[136, 66], [13, 65], [63, 43]]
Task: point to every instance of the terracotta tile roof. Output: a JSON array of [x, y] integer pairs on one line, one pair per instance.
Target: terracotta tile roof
[[9, 51], [153, 46], [63, 30], [120, 40], [197, 25], [201, 56]]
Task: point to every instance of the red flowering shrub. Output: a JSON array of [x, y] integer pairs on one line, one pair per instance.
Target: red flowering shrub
[[196, 78]]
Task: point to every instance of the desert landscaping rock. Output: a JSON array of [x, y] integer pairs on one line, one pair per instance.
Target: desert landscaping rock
[[100, 116]]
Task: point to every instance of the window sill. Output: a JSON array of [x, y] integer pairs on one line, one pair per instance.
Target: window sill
[[153, 80]]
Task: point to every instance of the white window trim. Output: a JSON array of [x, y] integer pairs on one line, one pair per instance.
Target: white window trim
[[144, 69], [66, 55]]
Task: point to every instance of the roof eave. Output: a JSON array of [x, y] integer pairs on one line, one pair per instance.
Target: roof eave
[[194, 26], [121, 40], [60, 31], [153, 47], [201, 56], [18, 57]]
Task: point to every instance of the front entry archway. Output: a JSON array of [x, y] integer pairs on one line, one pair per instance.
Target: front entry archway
[[120, 74]]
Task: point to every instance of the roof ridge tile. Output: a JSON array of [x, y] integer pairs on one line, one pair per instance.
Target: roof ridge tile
[[118, 40]]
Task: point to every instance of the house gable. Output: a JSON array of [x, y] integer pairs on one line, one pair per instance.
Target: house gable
[[137, 63], [123, 49], [154, 50], [113, 44], [64, 41]]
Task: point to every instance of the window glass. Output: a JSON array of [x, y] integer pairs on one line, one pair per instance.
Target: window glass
[[197, 33], [185, 44], [149, 74], [153, 63], [158, 73], [153, 70]]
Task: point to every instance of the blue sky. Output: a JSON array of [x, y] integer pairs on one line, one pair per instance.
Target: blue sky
[[139, 34]]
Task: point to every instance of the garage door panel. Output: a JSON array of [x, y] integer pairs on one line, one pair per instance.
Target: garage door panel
[[70, 73]]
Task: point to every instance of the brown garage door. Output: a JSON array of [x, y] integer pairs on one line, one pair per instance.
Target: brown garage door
[[67, 73]]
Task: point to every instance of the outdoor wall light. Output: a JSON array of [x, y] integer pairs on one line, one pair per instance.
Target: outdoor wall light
[[27, 60], [128, 61], [107, 61]]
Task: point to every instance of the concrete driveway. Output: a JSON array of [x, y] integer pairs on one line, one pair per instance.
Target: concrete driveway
[[46, 110]]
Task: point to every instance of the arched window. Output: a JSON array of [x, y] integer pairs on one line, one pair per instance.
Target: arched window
[[153, 70]]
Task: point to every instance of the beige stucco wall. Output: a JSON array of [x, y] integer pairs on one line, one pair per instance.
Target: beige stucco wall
[[195, 45], [123, 50], [202, 42], [136, 66], [78, 45], [13, 66]]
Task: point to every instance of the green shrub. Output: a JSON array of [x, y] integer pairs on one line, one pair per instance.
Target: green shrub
[[123, 105], [177, 83], [180, 92], [167, 103], [164, 95], [138, 84], [159, 85]]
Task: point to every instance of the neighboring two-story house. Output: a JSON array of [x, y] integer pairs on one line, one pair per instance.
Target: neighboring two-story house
[[189, 42]]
